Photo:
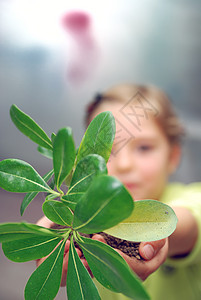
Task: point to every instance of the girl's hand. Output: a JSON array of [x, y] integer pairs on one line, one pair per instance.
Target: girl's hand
[[45, 222], [65, 262], [154, 254]]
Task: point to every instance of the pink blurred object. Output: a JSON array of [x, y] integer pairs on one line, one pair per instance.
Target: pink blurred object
[[76, 22], [84, 55]]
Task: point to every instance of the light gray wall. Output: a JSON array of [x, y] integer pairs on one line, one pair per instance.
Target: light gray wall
[[151, 42], [155, 42]]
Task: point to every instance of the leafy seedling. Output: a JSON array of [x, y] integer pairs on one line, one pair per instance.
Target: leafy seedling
[[94, 202]]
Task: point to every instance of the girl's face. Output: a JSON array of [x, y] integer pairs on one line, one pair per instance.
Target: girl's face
[[141, 156]]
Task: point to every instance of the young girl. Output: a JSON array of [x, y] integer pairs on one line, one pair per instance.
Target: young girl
[[146, 151]]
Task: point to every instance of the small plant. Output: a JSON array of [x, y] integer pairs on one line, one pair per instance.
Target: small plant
[[94, 202]]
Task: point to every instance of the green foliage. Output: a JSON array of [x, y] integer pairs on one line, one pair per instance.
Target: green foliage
[[63, 155], [20, 177], [111, 205], [77, 274], [30, 196], [152, 214], [58, 212], [29, 127], [45, 281], [99, 137], [27, 249], [94, 202], [111, 270]]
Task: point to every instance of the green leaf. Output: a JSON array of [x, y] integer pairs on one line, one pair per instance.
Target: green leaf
[[111, 270], [31, 248], [30, 196], [27, 200], [29, 127], [63, 154], [68, 178], [16, 231], [79, 283], [99, 137], [45, 281], [53, 135], [86, 170], [45, 152], [52, 183], [69, 200], [58, 212], [107, 202], [150, 220], [20, 177], [51, 197], [43, 230]]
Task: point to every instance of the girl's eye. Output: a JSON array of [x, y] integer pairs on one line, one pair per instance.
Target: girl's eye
[[144, 148]]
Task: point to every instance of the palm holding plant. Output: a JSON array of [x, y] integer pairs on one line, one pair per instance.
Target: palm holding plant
[[94, 202]]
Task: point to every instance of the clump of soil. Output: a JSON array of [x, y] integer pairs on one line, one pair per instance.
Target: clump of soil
[[127, 247]]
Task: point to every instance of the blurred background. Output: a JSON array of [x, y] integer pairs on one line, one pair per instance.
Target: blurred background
[[55, 55]]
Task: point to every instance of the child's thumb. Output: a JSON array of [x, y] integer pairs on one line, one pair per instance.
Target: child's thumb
[[149, 249]]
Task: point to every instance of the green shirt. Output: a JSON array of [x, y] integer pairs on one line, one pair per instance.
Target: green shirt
[[176, 279]]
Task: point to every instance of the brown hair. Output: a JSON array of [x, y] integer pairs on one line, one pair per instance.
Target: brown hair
[[166, 116]]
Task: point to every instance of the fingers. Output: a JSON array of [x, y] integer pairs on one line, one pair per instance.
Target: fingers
[[64, 269], [158, 250], [154, 254], [148, 250], [85, 263], [160, 255], [65, 262], [99, 238], [138, 267], [45, 222], [40, 261], [67, 246]]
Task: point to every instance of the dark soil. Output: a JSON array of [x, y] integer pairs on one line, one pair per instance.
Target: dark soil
[[129, 248]]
